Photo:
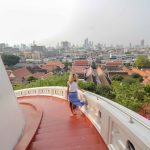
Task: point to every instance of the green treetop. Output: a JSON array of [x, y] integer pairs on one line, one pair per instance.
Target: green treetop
[[142, 61], [10, 60]]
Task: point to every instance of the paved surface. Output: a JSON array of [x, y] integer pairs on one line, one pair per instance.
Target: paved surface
[[59, 131]]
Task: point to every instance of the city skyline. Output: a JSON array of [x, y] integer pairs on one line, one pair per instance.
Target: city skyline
[[90, 43], [49, 22]]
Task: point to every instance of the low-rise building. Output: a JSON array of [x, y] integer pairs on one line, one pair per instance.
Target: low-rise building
[[145, 73], [113, 65], [79, 67]]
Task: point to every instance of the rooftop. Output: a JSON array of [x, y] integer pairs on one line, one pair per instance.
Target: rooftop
[[81, 63], [145, 73], [22, 72], [78, 69], [55, 63], [113, 63]]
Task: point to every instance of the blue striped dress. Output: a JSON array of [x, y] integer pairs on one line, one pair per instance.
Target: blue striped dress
[[73, 94]]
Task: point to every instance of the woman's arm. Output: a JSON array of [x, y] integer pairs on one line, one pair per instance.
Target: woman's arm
[[67, 89]]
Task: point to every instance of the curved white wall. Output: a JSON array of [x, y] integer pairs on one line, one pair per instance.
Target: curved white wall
[[11, 119]]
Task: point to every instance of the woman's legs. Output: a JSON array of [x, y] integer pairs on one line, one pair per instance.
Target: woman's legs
[[72, 108], [75, 110]]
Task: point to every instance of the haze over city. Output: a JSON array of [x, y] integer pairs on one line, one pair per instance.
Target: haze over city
[[48, 22], [75, 75]]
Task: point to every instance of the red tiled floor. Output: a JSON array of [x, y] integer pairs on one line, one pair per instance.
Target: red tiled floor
[[59, 131]]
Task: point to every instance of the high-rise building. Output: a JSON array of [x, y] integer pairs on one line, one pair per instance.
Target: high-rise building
[[86, 43], [90, 44], [142, 43], [98, 46], [23, 47], [65, 45], [130, 45], [38, 48], [2, 46]]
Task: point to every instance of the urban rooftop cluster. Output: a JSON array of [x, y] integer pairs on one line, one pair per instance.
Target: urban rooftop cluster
[[100, 69]]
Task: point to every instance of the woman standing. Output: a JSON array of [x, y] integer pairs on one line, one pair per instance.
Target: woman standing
[[72, 93]]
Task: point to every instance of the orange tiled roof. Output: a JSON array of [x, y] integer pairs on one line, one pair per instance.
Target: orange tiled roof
[[55, 63], [78, 69], [141, 72], [81, 63], [146, 80], [113, 63], [52, 65], [145, 73], [38, 74], [49, 68], [99, 70], [102, 76], [89, 71], [119, 70], [42, 75], [127, 70], [22, 72]]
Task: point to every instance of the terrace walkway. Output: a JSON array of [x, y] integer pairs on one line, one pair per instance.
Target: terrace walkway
[[58, 131]]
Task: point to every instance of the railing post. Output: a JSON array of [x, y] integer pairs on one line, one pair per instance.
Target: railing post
[[131, 120]]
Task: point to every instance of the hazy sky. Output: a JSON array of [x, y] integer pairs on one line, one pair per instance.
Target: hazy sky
[[50, 21]]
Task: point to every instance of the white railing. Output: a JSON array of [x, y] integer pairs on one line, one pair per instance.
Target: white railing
[[49, 91], [118, 126]]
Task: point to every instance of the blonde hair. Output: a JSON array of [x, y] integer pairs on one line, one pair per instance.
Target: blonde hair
[[73, 77]]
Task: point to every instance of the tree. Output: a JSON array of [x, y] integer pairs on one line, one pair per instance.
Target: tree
[[129, 81], [117, 77], [105, 91], [137, 76], [93, 65], [127, 64], [55, 80], [147, 88], [127, 52], [31, 79], [142, 61], [10, 60], [129, 94], [147, 94], [89, 86], [139, 94], [67, 65]]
